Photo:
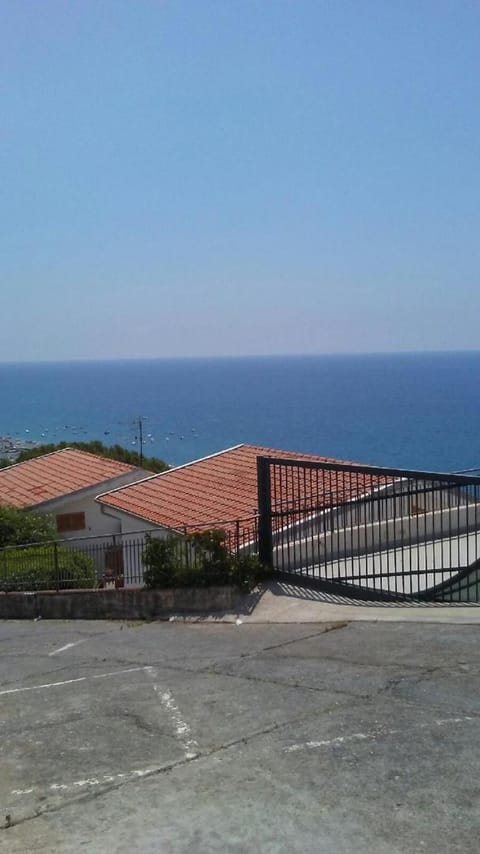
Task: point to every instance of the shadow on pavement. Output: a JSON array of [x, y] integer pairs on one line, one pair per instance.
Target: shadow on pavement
[[314, 594]]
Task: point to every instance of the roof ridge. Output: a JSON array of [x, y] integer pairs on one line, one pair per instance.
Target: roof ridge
[[40, 457], [61, 451], [89, 454], [169, 471], [293, 453]]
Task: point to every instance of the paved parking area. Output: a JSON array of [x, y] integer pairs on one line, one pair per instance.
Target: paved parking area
[[178, 737]]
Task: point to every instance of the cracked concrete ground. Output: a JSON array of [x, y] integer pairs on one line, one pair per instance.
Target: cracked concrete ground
[[178, 737]]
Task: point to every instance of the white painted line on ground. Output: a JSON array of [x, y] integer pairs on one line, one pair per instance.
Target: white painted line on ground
[[119, 672], [371, 735], [171, 706], [67, 646], [89, 781], [71, 681], [45, 685], [341, 739], [182, 729]]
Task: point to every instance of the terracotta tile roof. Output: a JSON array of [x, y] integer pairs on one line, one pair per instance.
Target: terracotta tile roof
[[55, 475], [219, 488]]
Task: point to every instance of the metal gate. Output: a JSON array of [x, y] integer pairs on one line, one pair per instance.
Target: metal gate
[[371, 532]]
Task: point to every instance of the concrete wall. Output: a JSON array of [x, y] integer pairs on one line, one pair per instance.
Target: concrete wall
[[400, 500], [126, 604], [294, 551]]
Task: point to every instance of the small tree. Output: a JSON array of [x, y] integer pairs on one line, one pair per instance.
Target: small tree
[[198, 560], [160, 559], [21, 527]]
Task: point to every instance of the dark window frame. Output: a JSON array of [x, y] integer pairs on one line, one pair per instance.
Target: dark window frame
[[70, 522]]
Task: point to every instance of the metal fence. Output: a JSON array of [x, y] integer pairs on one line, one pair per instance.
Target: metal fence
[[115, 560], [370, 531]]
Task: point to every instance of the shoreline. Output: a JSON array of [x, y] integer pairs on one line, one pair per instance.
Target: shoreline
[[11, 448]]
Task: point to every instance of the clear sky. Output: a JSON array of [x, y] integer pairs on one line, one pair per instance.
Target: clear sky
[[213, 177]]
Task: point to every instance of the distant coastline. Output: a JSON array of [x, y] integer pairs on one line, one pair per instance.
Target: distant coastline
[[11, 448]]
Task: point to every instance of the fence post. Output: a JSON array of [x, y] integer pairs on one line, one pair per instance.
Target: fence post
[[4, 562], [55, 567], [265, 540], [187, 556]]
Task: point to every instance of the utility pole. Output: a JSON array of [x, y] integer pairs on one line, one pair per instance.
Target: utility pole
[[140, 436]]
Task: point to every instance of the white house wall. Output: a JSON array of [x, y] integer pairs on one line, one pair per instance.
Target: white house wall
[[131, 536], [130, 524], [100, 530], [83, 501], [96, 524]]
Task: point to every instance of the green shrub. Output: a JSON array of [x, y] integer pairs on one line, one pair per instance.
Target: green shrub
[[38, 568], [20, 527], [198, 560], [46, 565], [160, 560]]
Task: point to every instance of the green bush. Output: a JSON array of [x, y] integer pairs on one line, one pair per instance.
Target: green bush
[[37, 568], [160, 560], [46, 565], [198, 560], [20, 527]]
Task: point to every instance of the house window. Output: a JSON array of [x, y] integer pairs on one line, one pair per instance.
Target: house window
[[70, 522]]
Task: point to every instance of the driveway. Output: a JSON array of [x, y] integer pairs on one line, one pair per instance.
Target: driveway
[[178, 737]]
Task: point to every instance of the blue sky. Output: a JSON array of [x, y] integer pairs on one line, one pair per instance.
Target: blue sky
[[220, 177]]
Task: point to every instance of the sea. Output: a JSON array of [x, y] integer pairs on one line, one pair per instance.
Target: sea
[[412, 410]]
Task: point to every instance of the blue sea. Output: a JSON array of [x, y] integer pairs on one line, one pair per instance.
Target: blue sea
[[419, 410]]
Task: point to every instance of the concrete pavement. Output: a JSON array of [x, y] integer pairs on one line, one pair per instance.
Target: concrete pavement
[[178, 737], [279, 602]]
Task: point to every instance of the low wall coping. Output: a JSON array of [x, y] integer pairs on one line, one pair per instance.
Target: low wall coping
[[127, 603]]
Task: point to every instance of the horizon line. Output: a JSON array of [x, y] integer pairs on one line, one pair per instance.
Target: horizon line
[[236, 357]]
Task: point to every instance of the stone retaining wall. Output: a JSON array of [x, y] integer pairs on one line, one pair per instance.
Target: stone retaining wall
[[125, 604]]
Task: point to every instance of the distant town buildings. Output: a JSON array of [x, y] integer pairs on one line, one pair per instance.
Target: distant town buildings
[[11, 448]]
